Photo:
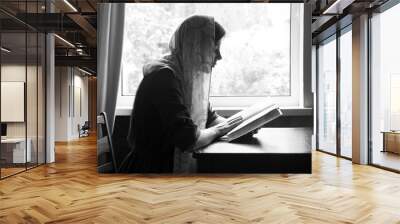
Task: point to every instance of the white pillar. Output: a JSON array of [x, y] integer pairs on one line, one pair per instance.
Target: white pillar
[[50, 99], [50, 92], [360, 90]]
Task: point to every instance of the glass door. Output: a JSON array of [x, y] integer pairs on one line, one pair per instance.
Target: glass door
[[345, 49], [14, 154], [326, 62], [22, 77], [32, 99]]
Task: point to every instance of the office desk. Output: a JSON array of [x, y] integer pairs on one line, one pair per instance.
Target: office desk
[[271, 150], [391, 141], [13, 150]]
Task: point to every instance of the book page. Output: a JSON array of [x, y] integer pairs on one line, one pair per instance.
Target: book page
[[245, 114], [253, 117], [254, 120]]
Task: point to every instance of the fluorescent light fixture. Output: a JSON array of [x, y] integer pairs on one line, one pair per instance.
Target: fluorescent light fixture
[[84, 71], [70, 5], [337, 7], [80, 51], [65, 41], [5, 50]]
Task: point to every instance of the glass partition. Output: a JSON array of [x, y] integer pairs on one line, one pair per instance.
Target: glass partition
[[346, 93], [31, 99], [14, 153], [327, 95], [22, 78], [385, 89]]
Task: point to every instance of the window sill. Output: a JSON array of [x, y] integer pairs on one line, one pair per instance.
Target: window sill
[[229, 111]]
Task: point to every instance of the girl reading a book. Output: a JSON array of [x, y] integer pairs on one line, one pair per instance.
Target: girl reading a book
[[171, 116]]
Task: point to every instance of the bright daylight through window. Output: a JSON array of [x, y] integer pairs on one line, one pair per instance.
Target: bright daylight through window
[[256, 51]]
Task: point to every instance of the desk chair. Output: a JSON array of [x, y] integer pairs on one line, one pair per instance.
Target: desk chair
[[84, 129], [105, 156]]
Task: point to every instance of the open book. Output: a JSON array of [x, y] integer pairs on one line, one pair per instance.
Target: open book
[[251, 119]]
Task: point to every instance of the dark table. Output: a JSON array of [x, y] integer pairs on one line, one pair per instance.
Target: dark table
[[271, 150]]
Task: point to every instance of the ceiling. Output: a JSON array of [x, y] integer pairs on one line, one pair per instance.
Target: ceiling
[[74, 22], [332, 15]]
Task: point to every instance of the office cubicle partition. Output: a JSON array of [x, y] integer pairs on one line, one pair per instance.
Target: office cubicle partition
[[22, 77]]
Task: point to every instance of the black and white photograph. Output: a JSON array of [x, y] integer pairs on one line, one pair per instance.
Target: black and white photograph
[[204, 87], [211, 111]]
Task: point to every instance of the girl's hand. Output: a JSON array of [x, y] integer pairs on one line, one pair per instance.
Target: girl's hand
[[222, 128]]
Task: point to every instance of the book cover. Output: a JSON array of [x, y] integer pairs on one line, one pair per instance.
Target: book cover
[[251, 119]]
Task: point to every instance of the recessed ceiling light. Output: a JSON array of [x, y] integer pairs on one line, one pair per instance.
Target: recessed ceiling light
[[84, 71], [337, 7], [70, 5], [65, 41], [5, 50]]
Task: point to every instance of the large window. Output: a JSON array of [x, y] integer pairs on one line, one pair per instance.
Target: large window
[[335, 94], [385, 88], [346, 93], [327, 95], [257, 51]]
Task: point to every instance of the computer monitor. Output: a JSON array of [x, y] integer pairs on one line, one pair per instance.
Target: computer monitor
[[3, 129]]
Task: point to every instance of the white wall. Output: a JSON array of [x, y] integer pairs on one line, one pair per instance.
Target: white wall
[[61, 103], [15, 72], [34, 124], [79, 117], [70, 83]]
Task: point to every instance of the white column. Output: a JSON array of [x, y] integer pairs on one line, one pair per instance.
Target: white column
[[360, 90], [50, 99], [50, 92]]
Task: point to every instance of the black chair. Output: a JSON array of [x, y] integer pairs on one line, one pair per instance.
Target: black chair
[[106, 159], [124, 152], [84, 130]]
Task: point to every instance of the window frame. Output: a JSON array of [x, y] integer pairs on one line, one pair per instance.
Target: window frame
[[293, 100], [336, 36], [336, 39]]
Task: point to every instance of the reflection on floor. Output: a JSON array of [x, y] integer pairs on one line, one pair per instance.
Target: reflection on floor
[[71, 191], [11, 169], [386, 159]]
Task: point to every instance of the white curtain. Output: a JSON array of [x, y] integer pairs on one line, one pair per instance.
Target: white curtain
[[110, 24]]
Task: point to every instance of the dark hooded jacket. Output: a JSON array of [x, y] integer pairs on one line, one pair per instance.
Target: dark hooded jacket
[[160, 122]]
